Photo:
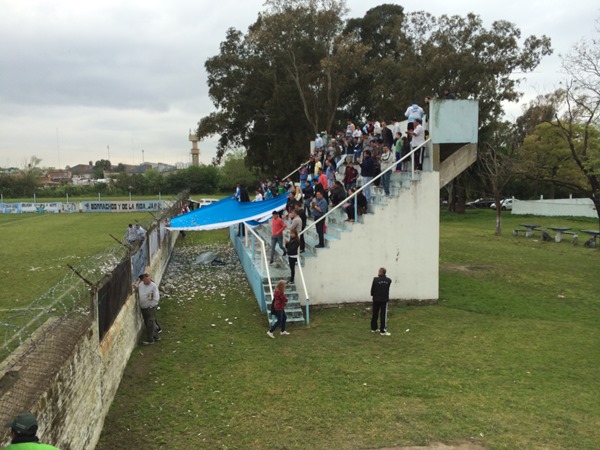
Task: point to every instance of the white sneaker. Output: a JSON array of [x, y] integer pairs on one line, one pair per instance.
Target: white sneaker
[[385, 333], [270, 335], [284, 333]]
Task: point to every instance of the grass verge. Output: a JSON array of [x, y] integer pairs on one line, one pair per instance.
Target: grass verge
[[508, 358]]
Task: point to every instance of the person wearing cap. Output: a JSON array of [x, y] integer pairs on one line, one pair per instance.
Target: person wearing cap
[[23, 431]]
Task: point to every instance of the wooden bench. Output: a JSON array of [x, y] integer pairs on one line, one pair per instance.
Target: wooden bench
[[517, 231]]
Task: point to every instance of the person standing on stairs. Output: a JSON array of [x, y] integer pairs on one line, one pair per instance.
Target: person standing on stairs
[[386, 160], [367, 172], [318, 209], [418, 138], [279, 302], [380, 290], [300, 213], [291, 247], [277, 227]]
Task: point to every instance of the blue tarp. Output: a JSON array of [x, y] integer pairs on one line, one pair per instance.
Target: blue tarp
[[227, 212]]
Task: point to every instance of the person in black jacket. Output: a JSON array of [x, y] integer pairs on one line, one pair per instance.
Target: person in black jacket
[[291, 248], [361, 203], [367, 172], [380, 290]]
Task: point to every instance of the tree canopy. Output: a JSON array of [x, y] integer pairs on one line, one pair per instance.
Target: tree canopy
[[302, 68]]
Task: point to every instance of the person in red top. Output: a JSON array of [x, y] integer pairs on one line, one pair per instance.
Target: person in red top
[[277, 227], [280, 301], [323, 179]]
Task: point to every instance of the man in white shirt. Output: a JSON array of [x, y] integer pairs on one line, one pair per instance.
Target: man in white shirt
[[149, 297], [418, 138], [141, 233]]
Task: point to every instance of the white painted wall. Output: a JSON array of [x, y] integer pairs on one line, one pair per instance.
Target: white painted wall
[[577, 207], [403, 237], [454, 121]]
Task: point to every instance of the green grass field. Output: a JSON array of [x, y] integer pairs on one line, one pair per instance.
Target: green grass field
[[36, 248], [508, 358]]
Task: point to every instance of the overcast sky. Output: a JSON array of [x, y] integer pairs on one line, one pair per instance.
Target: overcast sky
[[88, 80]]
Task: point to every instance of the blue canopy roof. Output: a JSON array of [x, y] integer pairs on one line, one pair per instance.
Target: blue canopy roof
[[227, 212]]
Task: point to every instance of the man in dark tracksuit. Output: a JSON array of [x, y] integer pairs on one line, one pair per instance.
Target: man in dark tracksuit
[[380, 290]]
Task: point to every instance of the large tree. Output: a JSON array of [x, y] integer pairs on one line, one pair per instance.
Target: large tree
[[418, 54], [301, 69], [565, 150], [281, 83]]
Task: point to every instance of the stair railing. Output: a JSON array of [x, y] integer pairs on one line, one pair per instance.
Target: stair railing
[[296, 170], [353, 196], [263, 257], [307, 302]]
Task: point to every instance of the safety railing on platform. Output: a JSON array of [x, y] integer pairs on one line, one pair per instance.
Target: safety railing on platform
[[369, 183]]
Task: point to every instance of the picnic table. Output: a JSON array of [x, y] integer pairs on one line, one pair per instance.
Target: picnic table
[[529, 231], [593, 236], [559, 232]]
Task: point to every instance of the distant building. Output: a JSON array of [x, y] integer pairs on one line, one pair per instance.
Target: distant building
[[82, 169]]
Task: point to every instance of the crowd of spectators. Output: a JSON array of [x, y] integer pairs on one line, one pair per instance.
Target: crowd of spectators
[[339, 164]]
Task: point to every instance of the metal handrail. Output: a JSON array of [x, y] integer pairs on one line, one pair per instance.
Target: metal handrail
[[329, 211], [264, 255], [296, 170], [305, 290]]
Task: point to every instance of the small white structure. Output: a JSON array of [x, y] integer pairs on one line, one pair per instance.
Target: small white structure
[[575, 207]]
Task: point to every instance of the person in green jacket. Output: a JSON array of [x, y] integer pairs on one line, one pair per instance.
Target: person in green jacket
[[23, 429]]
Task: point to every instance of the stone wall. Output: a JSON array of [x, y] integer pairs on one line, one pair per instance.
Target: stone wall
[[71, 399]]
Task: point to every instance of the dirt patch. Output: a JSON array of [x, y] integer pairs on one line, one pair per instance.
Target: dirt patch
[[440, 446], [467, 268]]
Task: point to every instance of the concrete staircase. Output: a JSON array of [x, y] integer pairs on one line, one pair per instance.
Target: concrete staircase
[[454, 160], [336, 227]]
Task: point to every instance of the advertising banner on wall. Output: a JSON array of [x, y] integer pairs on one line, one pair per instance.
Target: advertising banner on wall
[[133, 206], [73, 207]]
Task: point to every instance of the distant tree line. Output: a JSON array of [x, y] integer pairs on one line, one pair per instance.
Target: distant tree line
[[204, 179]]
